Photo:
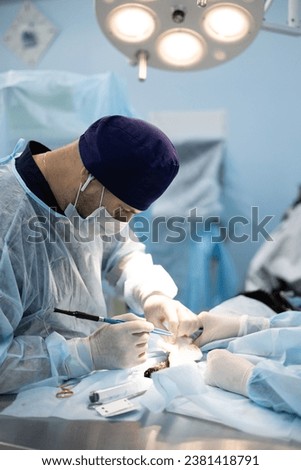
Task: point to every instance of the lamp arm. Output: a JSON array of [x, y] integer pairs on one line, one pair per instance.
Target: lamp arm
[[267, 5], [293, 19]]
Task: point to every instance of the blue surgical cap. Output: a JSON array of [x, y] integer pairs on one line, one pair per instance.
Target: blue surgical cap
[[133, 159]]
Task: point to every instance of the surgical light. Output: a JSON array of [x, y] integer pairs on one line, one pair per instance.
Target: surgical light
[[131, 23], [189, 35], [181, 48], [227, 23]]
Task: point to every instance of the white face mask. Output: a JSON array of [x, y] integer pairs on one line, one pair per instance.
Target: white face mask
[[99, 222]]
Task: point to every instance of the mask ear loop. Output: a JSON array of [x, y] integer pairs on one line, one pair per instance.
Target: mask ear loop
[[82, 187], [101, 196], [77, 195], [88, 181]]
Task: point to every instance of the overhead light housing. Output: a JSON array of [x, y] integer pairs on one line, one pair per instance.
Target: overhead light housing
[[189, 35]]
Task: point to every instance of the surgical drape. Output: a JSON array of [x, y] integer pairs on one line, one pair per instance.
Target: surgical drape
[[54, 107]]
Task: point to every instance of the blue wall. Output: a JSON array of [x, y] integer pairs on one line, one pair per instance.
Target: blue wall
[[260, 91]]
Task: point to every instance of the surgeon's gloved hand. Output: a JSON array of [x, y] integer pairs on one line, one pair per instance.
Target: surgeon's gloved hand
[[228, 371], [222, 326], [170, 314], [121, 345]]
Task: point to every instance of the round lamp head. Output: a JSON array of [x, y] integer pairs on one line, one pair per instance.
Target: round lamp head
[[183, 36]]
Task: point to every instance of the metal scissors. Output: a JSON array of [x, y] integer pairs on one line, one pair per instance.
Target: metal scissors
[[64, 392], [66, 389]]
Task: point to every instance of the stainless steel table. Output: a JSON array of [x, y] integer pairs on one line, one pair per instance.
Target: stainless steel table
[[164, 431]]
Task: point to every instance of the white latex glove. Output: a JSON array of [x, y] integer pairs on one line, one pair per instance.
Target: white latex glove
[[218, 326], [121, 345], [228, 371], [170, 314]]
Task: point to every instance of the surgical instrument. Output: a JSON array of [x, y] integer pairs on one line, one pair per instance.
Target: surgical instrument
[[113, 321]]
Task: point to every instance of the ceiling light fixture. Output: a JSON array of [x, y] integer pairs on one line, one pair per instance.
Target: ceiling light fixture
[[189, 35]]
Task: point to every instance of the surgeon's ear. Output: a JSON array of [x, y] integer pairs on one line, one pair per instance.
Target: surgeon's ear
[[84, 174]]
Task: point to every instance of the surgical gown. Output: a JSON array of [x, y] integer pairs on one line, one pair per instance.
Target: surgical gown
[[44, 265]]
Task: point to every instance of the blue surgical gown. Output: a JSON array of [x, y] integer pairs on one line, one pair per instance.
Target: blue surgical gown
[[275, 381], [43, 265]]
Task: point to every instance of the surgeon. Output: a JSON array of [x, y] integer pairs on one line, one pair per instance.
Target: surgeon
[[65, 244]]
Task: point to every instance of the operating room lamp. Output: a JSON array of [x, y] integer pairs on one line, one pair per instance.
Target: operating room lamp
[[182, 35]]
